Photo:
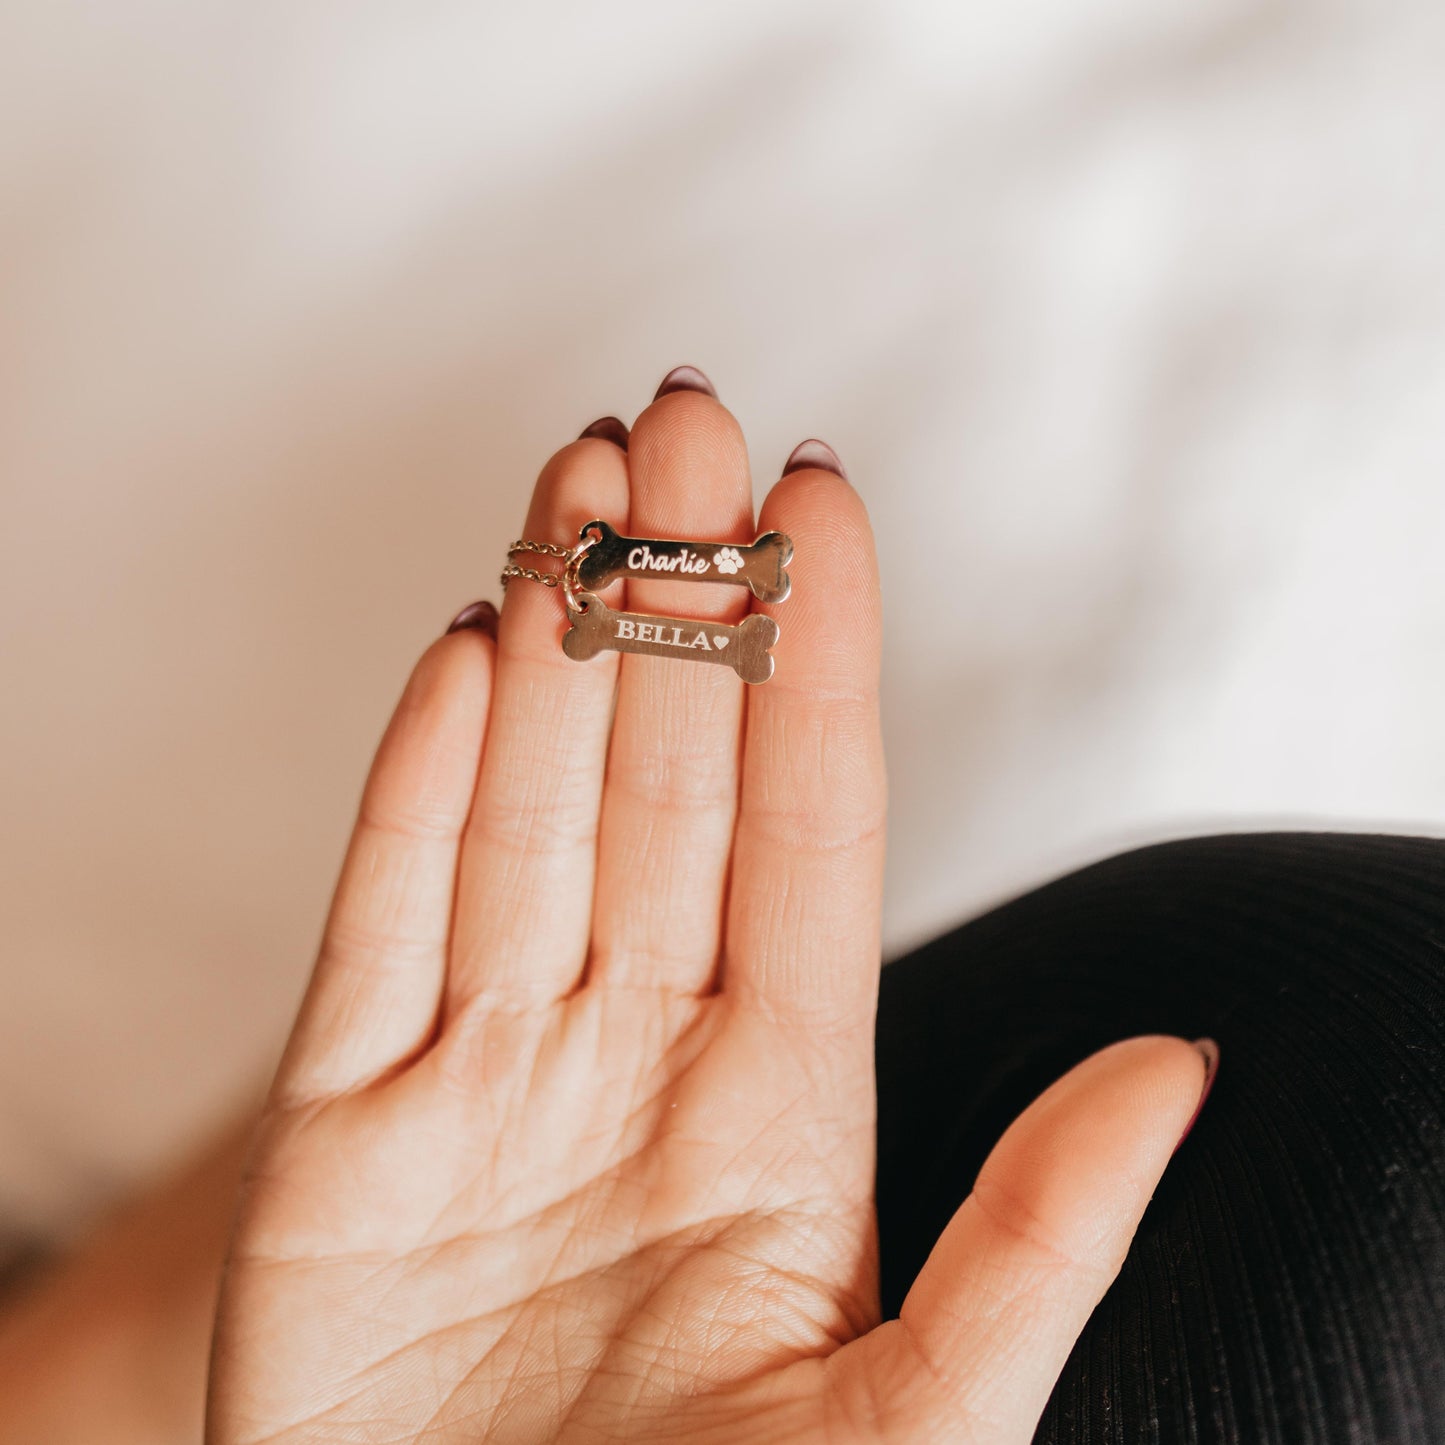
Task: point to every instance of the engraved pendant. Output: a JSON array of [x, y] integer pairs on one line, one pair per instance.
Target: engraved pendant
[[743, 646], [761, 565]]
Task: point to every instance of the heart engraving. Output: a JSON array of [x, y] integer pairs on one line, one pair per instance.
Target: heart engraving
[[597, 628]]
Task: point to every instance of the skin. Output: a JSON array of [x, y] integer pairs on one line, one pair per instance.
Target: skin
[[110, 1342], [574, 1138]]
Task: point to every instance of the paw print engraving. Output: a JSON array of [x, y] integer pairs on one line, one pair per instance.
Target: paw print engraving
[[728, 561]]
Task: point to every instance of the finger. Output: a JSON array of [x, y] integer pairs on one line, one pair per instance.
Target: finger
[[803, 920], [989, 1324], [528, 858], [672, 773], [373, 997]]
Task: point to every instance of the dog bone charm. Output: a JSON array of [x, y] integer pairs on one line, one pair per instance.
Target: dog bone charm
[[742, 646], [762, 565]]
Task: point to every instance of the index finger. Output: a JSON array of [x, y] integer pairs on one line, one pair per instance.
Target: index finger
[[807, 883]]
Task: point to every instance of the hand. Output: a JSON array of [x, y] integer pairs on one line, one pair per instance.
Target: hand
[[574, 1135]]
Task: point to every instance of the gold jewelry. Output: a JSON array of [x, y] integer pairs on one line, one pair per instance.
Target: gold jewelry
[[601, 556], [542, 549]]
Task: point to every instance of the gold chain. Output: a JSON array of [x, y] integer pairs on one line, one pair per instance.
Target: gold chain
[[542, 549]]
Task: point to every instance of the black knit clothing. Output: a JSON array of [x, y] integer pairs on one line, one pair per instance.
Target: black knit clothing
[[1287, 1285]]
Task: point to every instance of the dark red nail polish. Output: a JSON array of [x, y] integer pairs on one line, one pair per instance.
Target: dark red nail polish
[[685, 378], [609, 429], [1210, 1050], [814, 454], [479, 615]]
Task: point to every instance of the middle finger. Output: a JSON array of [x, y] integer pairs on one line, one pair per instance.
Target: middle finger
[[670, 800]]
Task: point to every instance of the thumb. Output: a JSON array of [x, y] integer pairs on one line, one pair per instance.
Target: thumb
[[988, 1325]]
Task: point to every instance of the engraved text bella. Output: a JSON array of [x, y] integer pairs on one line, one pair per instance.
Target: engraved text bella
[[669, 635]]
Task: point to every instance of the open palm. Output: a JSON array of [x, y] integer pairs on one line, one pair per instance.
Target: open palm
[[574, 1136]]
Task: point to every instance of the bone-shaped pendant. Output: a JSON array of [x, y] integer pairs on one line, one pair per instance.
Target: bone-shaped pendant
[[762, 565], [742, 646]]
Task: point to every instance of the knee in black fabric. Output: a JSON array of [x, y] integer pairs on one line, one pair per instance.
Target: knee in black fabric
[[1288, 1281]]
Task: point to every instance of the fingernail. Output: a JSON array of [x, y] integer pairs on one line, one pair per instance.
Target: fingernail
[[813, 453], [685, 378], [1210, 1050], [479, 615], [610, 429]]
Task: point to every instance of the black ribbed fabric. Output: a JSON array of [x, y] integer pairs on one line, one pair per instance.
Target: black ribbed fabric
[[1288, 1281]]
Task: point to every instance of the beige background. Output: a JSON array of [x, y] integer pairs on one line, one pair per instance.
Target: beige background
[[1126, 318]]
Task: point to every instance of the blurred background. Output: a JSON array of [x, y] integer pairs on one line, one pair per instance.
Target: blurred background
[[1126, 319]]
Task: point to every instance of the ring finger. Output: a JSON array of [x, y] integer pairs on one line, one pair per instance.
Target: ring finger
[[528, 858]]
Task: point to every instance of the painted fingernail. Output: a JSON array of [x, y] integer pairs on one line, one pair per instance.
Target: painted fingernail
[[610, 429], [479, 615], [685, 378], [1210, 1050], [813, 453]]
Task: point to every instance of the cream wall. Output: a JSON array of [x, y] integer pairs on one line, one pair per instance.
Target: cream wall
[[1126, 318]]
